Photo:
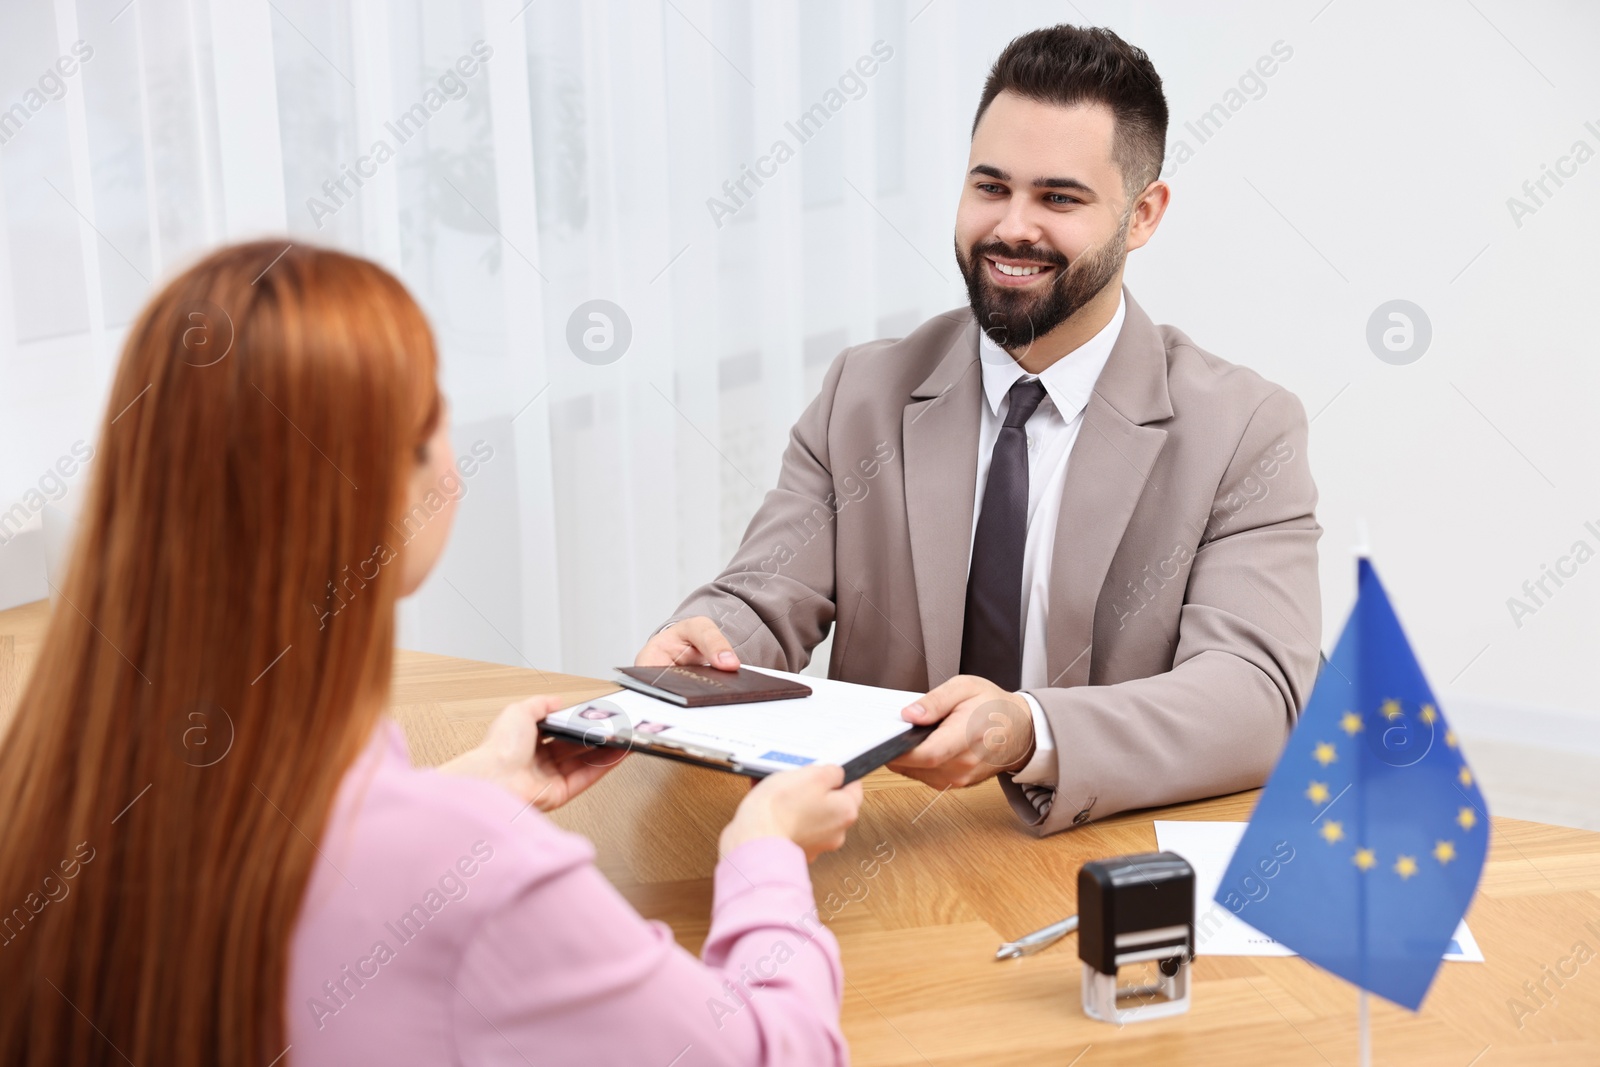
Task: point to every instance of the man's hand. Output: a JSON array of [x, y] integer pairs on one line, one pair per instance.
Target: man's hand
[[544, 771], [983, 730], [695, 641]]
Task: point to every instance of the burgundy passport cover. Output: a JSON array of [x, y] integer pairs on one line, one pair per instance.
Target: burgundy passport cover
[[698, 687]]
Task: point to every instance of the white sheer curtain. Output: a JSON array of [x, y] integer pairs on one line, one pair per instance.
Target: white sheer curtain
[[578, 162]]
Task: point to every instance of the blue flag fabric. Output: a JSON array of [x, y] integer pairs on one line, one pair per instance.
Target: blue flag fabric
[[1380, 817]]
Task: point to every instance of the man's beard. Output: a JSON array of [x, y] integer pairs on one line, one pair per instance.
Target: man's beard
[[1014, 319]]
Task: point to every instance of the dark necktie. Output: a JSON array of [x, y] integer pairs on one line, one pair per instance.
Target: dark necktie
[[991, 639]]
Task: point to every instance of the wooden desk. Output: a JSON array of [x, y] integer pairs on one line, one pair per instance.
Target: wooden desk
[[919, 936]]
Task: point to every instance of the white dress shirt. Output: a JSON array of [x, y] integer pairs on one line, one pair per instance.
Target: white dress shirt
[[1068, 384]]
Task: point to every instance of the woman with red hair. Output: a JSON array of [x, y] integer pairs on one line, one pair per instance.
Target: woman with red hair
[[306, 896]]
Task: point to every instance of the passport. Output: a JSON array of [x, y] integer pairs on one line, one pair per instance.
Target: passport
[[699, 687]]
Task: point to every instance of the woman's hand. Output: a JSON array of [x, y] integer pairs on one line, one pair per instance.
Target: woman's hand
[[543, 771], [805, 805]]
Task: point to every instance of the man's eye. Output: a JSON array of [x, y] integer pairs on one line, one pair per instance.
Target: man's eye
[[989, 187], [1060, 199]]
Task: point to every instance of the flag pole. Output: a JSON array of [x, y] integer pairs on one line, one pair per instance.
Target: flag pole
[[1366, 1032], [1362, 550]]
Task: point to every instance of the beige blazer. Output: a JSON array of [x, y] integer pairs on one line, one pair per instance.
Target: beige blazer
[[1184, 615]]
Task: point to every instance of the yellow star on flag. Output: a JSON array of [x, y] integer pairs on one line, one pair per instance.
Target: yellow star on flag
[[1405, 867], [1450, 738], [1444, 851], [1467, 818], [1428, 714], [1324, 753], [1318, 793], [1390, 709], [1332, 831], [1465, 776], [1365, 859], [1351, 722]]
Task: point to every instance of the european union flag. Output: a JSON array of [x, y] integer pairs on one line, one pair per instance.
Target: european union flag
[[1387, 828]]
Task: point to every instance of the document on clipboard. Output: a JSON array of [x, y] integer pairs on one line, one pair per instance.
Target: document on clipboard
[[856, 726]]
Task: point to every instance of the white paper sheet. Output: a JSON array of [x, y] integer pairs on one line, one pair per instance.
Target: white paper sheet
[[836, 723], [1209, 847]]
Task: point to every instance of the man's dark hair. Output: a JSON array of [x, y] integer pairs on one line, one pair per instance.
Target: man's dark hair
[[1071, 65]]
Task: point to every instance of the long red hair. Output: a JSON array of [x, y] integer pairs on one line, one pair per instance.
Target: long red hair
[[218, 655]]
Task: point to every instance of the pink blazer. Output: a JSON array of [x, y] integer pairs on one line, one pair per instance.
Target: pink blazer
[[447, 923]]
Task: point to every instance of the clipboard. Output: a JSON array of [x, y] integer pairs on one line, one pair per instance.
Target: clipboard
[[722, 760], [856, 726]]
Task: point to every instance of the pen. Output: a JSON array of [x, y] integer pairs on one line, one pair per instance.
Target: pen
[[1039, 939]]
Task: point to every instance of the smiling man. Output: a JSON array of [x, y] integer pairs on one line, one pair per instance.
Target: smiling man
[[1090, 542]]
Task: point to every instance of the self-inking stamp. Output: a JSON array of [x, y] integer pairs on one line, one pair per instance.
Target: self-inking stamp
[[1135, 912]]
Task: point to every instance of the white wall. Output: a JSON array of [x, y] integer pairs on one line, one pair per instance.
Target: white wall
[[1374, 164]]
